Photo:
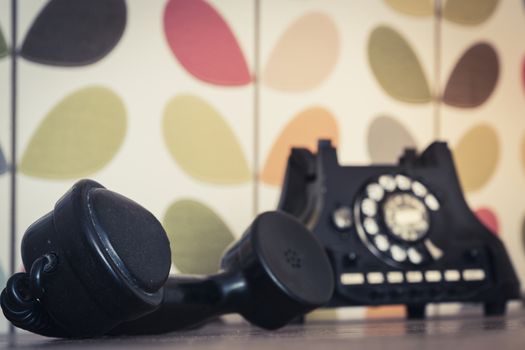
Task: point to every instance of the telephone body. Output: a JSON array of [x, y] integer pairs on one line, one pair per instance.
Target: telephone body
[[398, 234]]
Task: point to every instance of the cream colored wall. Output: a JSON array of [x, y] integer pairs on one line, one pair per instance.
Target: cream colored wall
[[146, 75]]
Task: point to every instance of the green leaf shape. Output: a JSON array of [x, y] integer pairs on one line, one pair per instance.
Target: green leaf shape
[[396, 66], [421, 8], [477, 155], [78, 137], [387, 138], [474, 77], [197, 235], [3, 45], [469, 12], [202, 143]]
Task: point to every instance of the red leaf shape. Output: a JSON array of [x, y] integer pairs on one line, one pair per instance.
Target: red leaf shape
[[488, 218], [204, 44]]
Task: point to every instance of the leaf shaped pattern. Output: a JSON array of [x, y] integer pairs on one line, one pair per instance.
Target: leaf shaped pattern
[[75, 32], [523, 73], [197, 235], [477, 156], [305, 55], [523, 234], [78, 137], [474, 77], [204, 44], [381, 312], [396, 66], [202, 143], [3, 162], [3, 278], [304, 130], [413, 7], [523, 151], [3, 45], [469, 12], [387, 138], [489, 218]]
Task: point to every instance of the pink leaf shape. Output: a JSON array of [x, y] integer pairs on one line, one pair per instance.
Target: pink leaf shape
[[488, 218], [204, 44]]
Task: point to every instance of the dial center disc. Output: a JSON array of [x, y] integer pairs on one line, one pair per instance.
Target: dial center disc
[[406, 216]]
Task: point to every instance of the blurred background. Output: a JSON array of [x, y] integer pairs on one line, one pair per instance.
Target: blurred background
[[190, 107]]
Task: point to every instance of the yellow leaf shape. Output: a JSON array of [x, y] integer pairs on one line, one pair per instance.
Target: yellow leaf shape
[[477, 156], [387, 138], [396, 66], [413, 7], [78, 137], [304, 130], [197, 235], [469, 12], [202, 143], [305, 55]]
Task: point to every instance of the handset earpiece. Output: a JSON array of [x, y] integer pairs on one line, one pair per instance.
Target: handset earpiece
[[99, 263]]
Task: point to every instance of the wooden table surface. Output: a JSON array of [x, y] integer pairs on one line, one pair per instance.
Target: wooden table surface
[[440, 333]]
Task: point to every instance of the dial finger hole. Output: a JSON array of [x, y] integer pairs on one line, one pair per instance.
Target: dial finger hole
[[381, 242], [431, 202], [414, 256], [375, 191], [419, 189], [398, 253], [403, 182], [369, 207], [370, 226], [387, 182]]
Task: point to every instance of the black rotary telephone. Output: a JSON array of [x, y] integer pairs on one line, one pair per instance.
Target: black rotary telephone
[[398, 234]]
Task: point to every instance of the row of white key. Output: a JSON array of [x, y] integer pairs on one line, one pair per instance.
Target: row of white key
[[433, 276]]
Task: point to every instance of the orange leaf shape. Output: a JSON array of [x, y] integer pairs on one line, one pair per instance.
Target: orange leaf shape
[[304, 130]]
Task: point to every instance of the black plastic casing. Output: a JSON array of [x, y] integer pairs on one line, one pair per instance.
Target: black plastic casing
[[315, 185], [92, 289]]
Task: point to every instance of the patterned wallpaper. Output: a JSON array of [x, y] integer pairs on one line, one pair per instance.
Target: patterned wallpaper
[[190, 107]]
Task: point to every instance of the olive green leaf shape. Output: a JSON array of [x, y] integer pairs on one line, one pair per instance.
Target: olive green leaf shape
[[413, 7], [79, 136], [305, 54], [477, 156], [197, 235], [396, 66], [202, 143], [387, 138], [465, 12], [469, 12], [3, 45], [474, 77]]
